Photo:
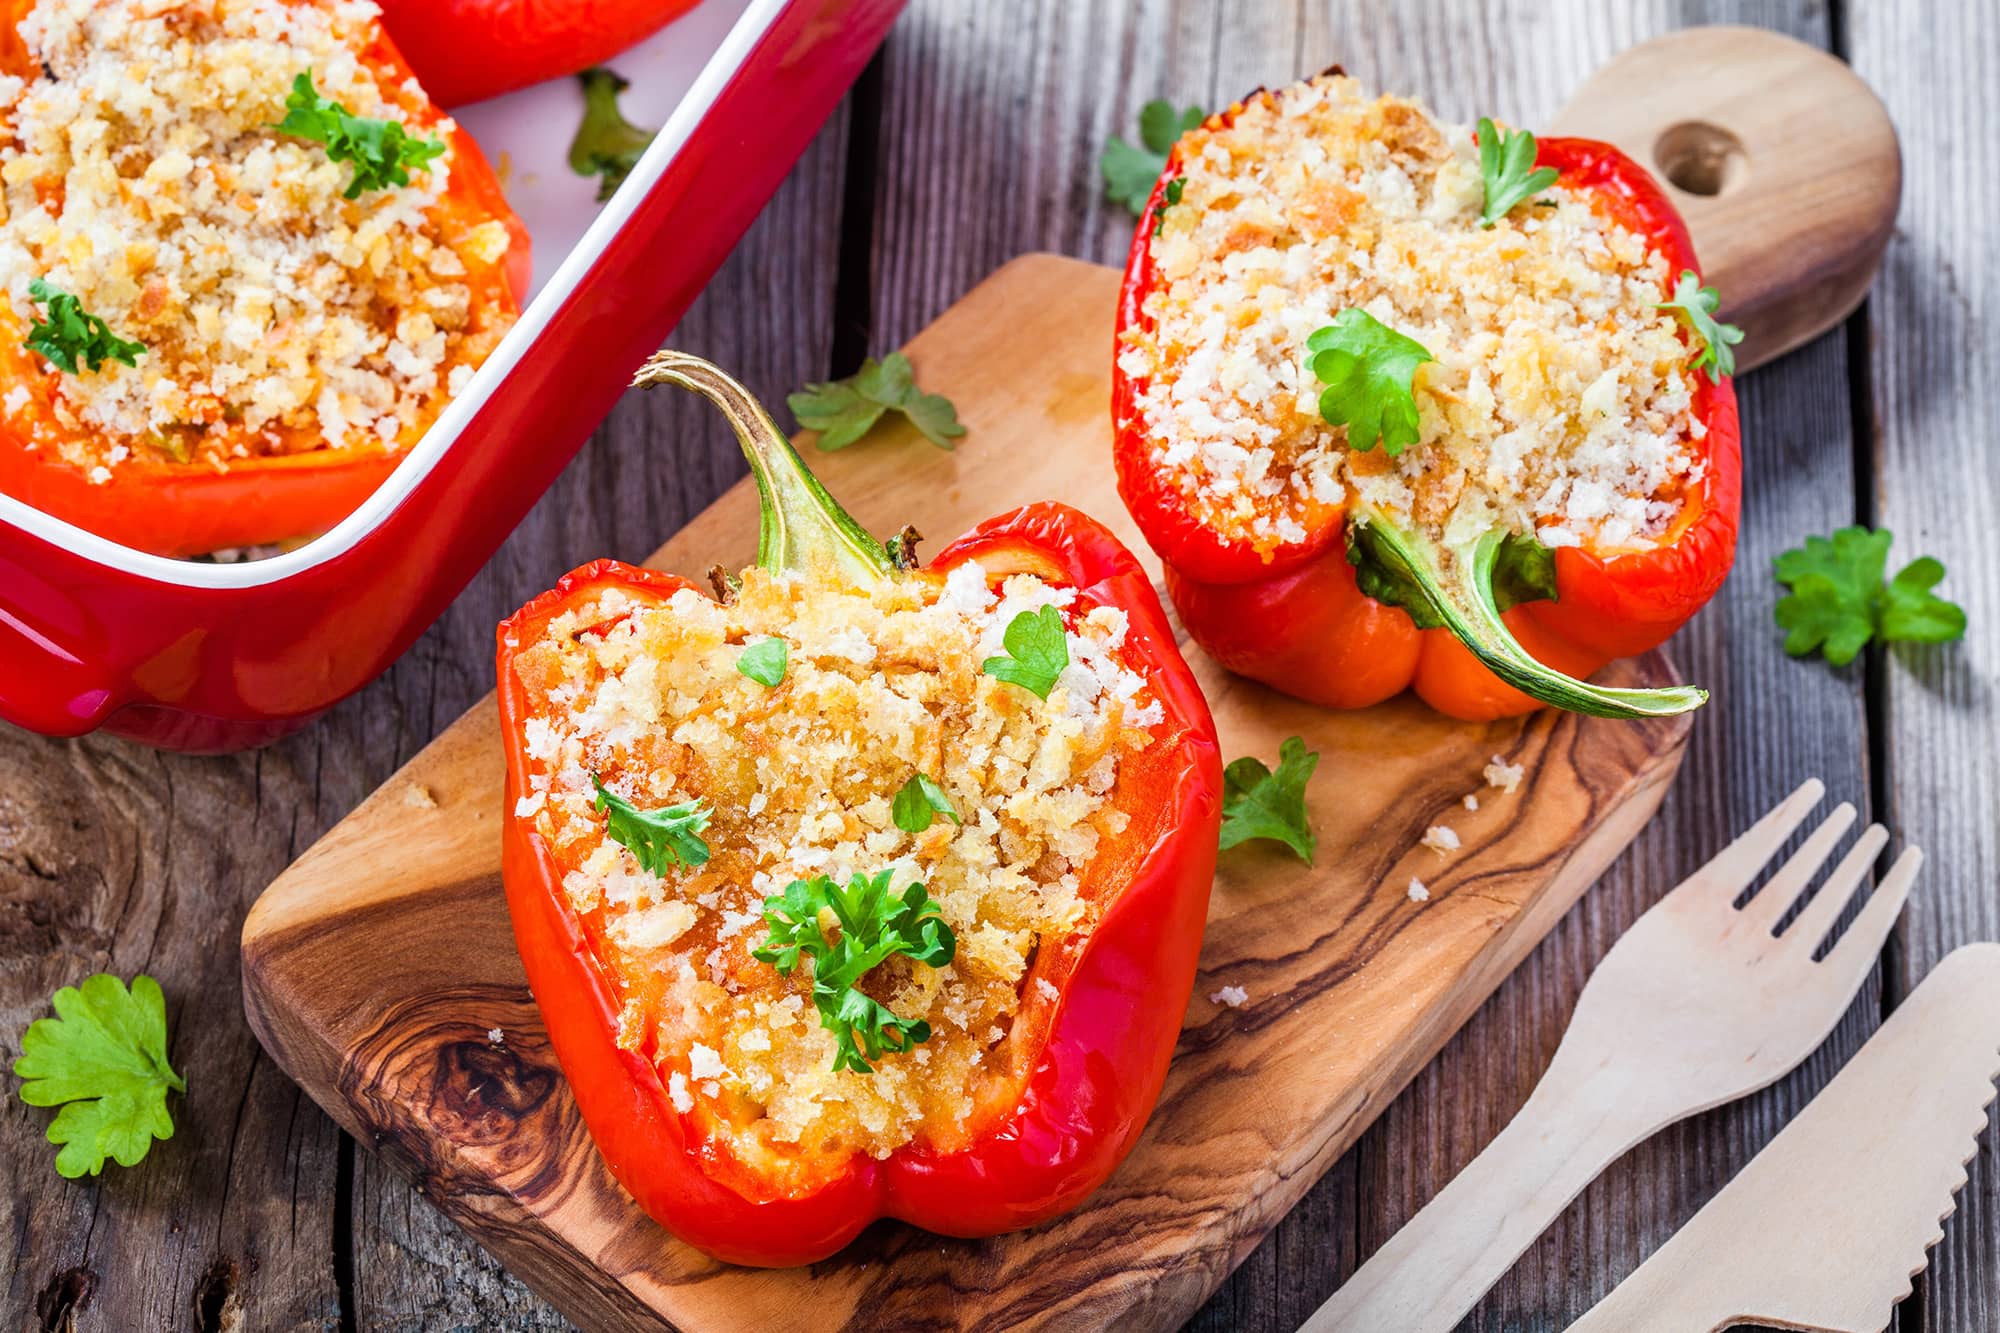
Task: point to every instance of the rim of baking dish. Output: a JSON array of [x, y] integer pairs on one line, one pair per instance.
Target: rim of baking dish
[[715, 75]]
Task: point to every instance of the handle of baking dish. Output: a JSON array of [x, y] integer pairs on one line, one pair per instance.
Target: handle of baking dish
[[49, 688]]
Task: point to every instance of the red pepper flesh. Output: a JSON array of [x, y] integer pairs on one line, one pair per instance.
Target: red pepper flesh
[[1296, 618], [1112, 1032]]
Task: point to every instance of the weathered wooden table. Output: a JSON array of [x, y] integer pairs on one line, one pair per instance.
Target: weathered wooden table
[[974, 138]]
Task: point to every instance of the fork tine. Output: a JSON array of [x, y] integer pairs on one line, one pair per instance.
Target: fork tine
[[1783, 888], [1857, 949], [1818, 917], [1738, 863]]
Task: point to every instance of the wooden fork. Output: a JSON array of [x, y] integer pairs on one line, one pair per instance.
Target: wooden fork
[[1699, 1003]]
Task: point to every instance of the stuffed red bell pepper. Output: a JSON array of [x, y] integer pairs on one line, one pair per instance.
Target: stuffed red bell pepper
[[1402, 404], [244, 264], [858, 889]]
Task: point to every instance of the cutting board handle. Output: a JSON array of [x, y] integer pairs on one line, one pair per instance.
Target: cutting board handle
[[1782, 160]]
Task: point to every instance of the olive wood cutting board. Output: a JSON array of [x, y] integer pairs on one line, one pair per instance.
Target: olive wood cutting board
[[380, 970]]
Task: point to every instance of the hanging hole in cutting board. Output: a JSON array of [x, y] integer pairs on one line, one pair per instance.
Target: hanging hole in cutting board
[[1701, 158]]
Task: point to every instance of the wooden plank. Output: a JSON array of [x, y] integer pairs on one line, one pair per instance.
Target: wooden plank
[[1934, 361], [377, 965]]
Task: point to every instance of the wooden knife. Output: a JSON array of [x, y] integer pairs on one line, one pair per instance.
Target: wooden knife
[[1826, 1227]]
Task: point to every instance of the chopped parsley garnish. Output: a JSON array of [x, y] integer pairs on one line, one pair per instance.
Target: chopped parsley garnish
[[1257, 803], [1696, 305], [1130, 173], [606, 145], [1507, 166], [1037, 651], [1369, 371], [1840, 600], [1171, 196], [103, 1059], [873, 925], [919, 802], [382, 151], [764, 661], [843, 411], [661, 839], [68, 335]]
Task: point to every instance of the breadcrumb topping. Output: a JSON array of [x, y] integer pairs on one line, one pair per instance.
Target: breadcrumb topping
[[880, 683], [1559, 400], [140, 172]]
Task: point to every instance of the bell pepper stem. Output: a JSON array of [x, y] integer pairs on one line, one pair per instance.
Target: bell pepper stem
[[801, 527], [1457, 581]]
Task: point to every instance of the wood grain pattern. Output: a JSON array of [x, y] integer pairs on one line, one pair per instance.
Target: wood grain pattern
[[1934, 362], [375, 968]]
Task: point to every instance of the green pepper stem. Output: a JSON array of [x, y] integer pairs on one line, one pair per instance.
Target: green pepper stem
[[801, 528], [1457, 581]]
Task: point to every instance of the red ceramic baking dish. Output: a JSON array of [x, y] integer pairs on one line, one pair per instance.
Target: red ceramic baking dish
[[202, 656]]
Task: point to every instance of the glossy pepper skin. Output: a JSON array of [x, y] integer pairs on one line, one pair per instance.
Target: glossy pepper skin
[[467, 50], [155, 504], [1109, 1037], [1299, 621]]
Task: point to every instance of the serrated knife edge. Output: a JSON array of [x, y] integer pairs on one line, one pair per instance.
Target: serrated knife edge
[[1808, 1235]]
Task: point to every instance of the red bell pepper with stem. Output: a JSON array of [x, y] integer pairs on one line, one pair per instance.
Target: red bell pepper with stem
[[1298, 618], [1123, 986]]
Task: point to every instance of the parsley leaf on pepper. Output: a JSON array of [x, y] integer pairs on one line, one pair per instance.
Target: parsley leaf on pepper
[[764, 661], [918, 804], [68, 334], [103, 1059], [1037, 651], [843, 411], [382, 151], [1507, 166], [1369, 371], [873, 924], [1129, 172], [606, 145], [1257, 803], [1839, 598], [660, 839], [1696, 305]]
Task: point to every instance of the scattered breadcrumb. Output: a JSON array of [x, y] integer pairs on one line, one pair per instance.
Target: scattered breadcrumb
[[1471, 801], [1504, 775], [419, 796], [1232, 996], [496, 1036], [1441, 838], [1419, 893]]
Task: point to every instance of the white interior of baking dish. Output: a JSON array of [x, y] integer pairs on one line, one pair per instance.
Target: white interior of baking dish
[[676, 76]]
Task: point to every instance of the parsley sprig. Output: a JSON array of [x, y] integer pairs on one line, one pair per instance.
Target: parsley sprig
[[1129, 172], [68, 335], [1696, 305], [873, 925], [1037, 651], [103, 1059], [1507, 168], [843, 411], [764, 661], [1369, 371], [1840, 600], [661, 839], [919, 802], [382, 152], [606, 145], [1257, 803]]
